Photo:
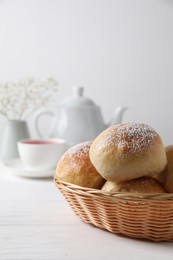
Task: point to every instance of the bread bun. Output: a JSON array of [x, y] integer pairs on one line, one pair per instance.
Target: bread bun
[[128, 151], [75, 167], [166, 178], [139, 185]]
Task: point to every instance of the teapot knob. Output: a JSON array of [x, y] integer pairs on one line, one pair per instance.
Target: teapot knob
[[78, 91]]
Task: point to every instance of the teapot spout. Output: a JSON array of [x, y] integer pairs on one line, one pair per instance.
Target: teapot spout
[[118, 116]]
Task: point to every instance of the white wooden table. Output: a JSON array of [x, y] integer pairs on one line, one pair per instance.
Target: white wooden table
[[36, 223]]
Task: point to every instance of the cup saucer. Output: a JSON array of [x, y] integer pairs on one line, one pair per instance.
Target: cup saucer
[[16, 166]]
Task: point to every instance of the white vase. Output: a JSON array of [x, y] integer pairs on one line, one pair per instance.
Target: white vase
[[14, 131]]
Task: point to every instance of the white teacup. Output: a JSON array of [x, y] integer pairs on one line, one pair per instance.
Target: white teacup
[[41, 154]]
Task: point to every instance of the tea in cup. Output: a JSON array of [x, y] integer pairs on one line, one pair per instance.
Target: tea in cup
[[41, 154]]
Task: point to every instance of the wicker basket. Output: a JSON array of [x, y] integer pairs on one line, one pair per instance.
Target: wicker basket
[[148, 216]]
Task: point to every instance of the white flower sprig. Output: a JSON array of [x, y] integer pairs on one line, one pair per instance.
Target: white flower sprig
[[20, 99]]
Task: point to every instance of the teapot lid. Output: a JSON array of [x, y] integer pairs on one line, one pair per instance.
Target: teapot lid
[[77, 98]]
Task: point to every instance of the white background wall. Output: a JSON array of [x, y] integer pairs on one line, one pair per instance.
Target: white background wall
[[120, 50]]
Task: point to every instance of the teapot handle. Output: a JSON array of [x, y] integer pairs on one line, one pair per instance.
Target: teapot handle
[[37, 119]]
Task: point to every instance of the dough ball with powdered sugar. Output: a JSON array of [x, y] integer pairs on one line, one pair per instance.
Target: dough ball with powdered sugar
[[144, 184], [127, 151], [75, 167]]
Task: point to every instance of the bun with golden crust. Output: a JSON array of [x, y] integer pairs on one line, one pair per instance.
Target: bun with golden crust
[[128, 151], [166, 177], [139, 185], [75, 167]]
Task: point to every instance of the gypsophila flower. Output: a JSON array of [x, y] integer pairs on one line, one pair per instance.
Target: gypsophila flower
[[20, 99]]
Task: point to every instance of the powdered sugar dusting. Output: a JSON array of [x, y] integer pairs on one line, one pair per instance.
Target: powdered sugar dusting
[[133, 137], [79, 150]]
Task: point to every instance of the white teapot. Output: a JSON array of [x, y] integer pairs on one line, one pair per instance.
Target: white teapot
[[78, 119]]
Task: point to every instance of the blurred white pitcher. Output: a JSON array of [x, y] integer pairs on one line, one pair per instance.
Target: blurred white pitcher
[[78, 119], [14, 131]]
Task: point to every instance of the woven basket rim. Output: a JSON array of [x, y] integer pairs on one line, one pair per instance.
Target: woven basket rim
[[113, 195]]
